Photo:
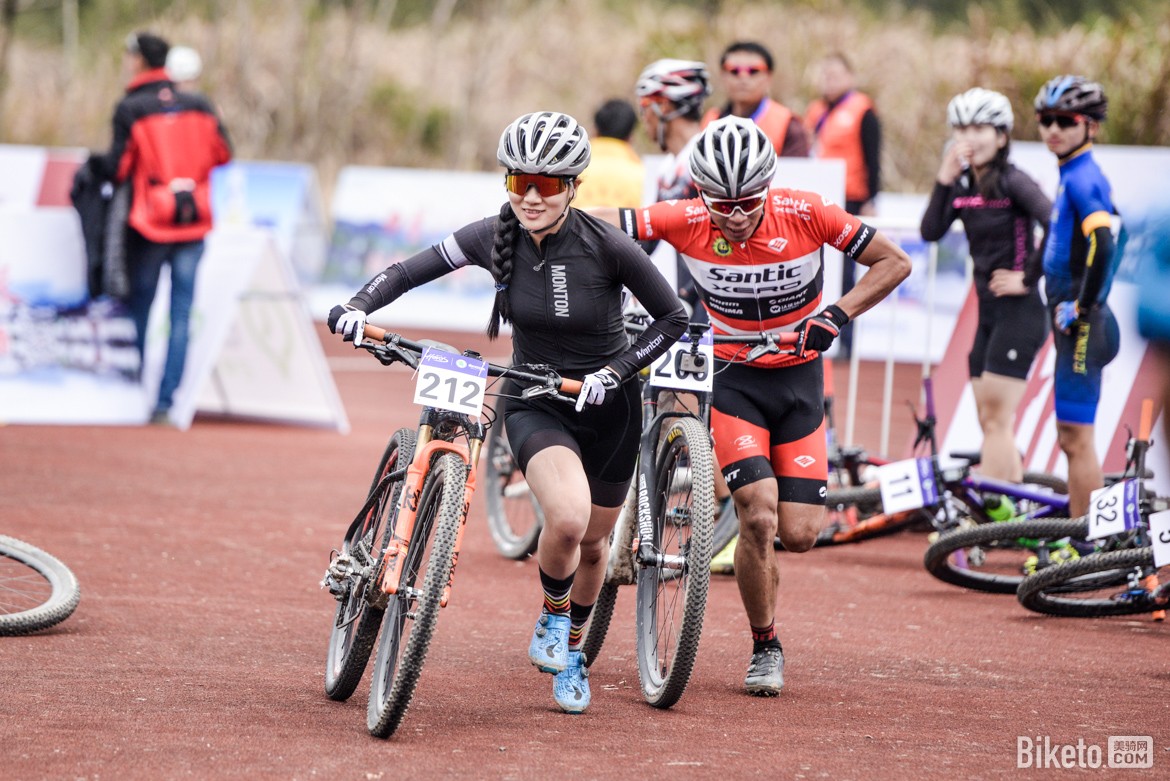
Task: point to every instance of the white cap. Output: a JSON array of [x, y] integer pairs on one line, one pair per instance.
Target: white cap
[[184, 63]]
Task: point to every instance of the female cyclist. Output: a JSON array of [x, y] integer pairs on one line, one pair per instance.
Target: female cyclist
[[999, 205], [559, 276]]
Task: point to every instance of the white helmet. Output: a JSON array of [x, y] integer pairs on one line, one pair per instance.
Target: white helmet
[[683, 82], [544, 142], [978, 106], [183, 63], [732, 158]]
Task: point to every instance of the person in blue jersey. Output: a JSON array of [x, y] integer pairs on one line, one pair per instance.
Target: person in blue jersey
[[559, 275], [1079, 262], [1153, 277], [1000, 206]]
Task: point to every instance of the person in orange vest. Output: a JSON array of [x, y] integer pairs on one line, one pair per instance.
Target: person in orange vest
[[747, 76], [844, 126]]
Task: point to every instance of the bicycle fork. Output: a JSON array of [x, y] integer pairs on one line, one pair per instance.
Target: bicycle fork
[[408, 507]]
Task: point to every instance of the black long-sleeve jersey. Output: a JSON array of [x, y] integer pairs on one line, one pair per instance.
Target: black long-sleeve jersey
[[565, 296], [999, 229]]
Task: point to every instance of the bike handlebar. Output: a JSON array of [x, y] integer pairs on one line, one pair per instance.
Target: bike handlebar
[[551, 379]]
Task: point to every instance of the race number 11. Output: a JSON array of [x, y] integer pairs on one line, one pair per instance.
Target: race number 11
[[449, 381], [907, 485]]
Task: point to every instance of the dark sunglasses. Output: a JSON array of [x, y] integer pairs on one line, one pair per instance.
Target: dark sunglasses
[[1063, 121], [751, 70], [547, 186], [727, 206]]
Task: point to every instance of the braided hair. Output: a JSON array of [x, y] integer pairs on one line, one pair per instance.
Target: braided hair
[[503, 246]]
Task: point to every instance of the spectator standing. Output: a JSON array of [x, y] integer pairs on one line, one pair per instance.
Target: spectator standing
[[616, 175], [1000, 206], [844, 126], [747, 76], [165, 143], [1079, 262]]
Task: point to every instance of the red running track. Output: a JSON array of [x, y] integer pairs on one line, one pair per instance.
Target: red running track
[[197, 649]]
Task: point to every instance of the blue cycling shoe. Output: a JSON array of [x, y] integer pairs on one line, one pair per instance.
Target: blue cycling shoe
[[571, 686], [549, 649]]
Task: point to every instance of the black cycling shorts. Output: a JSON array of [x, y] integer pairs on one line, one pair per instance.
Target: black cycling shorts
[[605, 437], [771, 423], [1010, 332]]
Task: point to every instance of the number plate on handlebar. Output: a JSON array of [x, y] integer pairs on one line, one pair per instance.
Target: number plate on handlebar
[[450, 381], [681, 370], [1113, 510], [908, 485]]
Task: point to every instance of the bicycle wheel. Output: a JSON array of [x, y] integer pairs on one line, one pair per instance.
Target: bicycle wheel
[[37, 590], [670, 608], [413, 611], [1058, 484], [991, 556], [514, 517], [359, 612], [1097, 585]]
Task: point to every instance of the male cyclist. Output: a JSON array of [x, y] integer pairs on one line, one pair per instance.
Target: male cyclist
[[756, 255], [1079, 262]]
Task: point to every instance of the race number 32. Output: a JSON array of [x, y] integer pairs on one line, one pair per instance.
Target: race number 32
[[1113, 510], [449, 381]]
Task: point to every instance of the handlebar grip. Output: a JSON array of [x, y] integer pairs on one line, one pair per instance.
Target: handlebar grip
[[788, 337], [374, 333], [1147, 419], [571, 387]]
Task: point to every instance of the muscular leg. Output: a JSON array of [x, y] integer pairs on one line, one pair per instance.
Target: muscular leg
[[997, 397], [1084, 469], [557, 479], [761, 518]]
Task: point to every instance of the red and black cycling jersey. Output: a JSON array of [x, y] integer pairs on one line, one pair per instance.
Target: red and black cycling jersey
[[999, 227], [166, 141], [772, 281], [565, 296]]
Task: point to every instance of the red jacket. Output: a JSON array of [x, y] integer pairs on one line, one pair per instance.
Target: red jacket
[[166, 142]]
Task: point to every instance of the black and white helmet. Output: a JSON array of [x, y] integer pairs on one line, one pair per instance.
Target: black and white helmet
[[978, 106], [732, 158], [1074, 94], [684, 83], [544, 142]]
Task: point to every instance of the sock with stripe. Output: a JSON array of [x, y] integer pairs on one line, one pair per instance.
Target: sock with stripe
[[764, 637], [556, 593], [578, 618]]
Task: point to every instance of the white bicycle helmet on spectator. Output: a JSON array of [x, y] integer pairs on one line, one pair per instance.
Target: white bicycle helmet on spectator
[[732, 158], [1074, 94], [978, 106], [544, 142]]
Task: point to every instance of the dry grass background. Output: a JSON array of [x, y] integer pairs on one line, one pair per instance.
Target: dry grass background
[[332, 87]]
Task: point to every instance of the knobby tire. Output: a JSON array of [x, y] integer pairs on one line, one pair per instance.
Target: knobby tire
[[1066, 589], [670, 610], [402, 649], [941, 562], [37, 590], [356, 622]]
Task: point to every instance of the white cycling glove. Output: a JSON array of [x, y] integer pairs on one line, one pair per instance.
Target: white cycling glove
[[350, 323], [597, 387]]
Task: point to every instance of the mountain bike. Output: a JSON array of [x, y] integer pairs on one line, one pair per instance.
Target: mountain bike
[[37, 590], [859, 512], [395, 569], [663, 539], [1122, 576], [990, 554]]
